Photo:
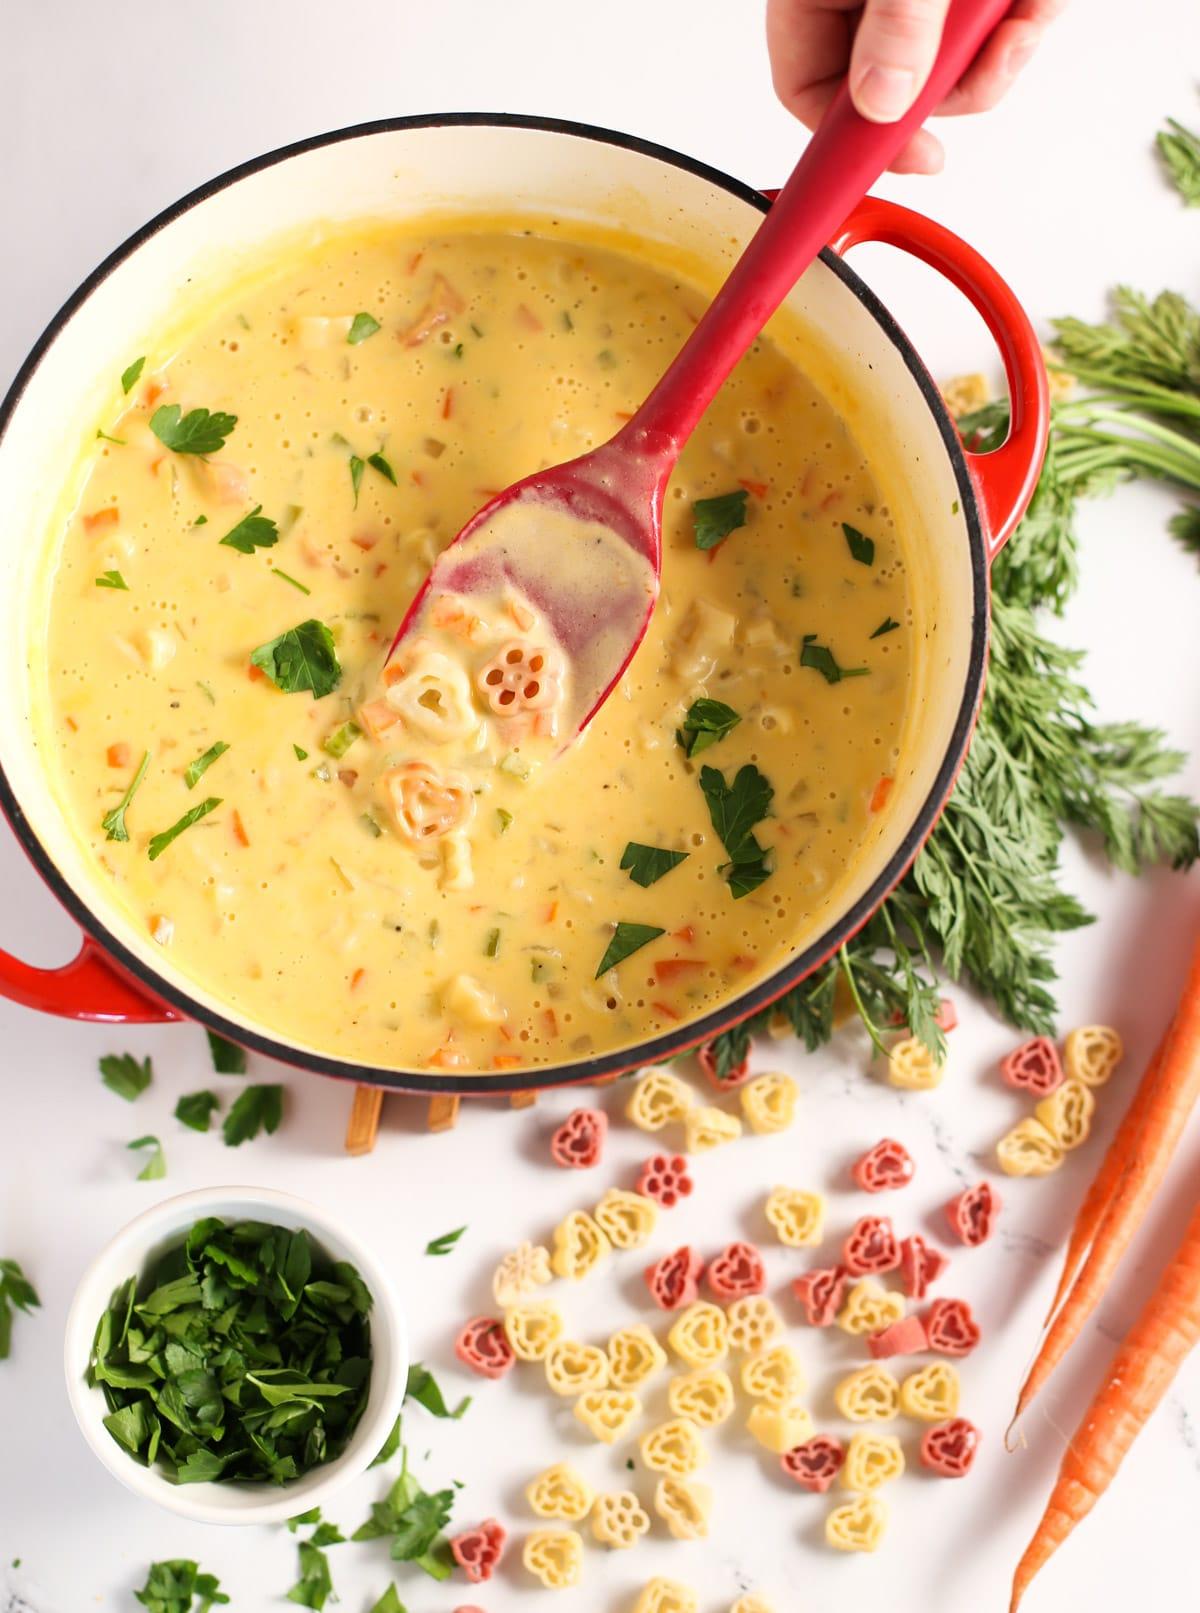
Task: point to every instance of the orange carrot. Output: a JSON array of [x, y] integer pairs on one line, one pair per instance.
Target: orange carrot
[[759, 489], [357, 978], [506, 1061], [881, 793], [108, 516], [1173, 1086], [671, 969], [448, 403], [1139, 1376], [666, 1011], [118, 755], [239, 828]]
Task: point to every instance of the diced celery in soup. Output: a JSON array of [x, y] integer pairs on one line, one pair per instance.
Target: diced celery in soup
[[399, 864]]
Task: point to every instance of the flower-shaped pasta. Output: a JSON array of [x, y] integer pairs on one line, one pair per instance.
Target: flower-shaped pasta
[[658, 1098], [573, 1368], [951, 1327], [684, 1506], [1028, 1150], [905, 1337], [619, 1519], [522, 1271], [673, 1278], [972, 1214], [753, 1323], [426, 803], [521, 677], [478, 1551], [870, 1395], [579, 1245], [1067, 1113], [871, 1460], [561, 1493], [779, 1429], [737, 1271], [774, 1376], [626, 1219], [579, 1141], [871, 1246], [483, 1346], [555, 1556], [666, 1596], [888, 1165], [701, 1335], [705, 1395], [708, 1127], [432, 695], [1092, 1053], [857, 1525], [870, 1308], [820, 1292], [769, 1102], [815, 1464], [798, 1217], [949, 1449], [931, 1394], [913, 1067], [920, 1265], [1033, 1067], [673, 1448], [607, 1413], [664, 1178], [634, 1355], [532, 1330]]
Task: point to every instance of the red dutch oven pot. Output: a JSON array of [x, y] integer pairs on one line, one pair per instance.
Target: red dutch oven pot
[[958, 507]]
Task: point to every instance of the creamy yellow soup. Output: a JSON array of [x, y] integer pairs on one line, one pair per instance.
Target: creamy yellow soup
[[293, 821]]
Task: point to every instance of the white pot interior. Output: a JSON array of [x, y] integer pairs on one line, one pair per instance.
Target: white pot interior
[[399, 174]]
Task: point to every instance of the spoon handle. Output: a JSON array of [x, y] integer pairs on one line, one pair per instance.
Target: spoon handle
[[843, 159]]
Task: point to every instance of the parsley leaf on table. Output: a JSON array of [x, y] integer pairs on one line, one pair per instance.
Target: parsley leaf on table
[[256, 1108], [178, 1586], [16, 1291], [195, 1109], [423, 1387], [125, 1075], [155, 1167], [315, 1585], [227, 1057], [444, 1244]]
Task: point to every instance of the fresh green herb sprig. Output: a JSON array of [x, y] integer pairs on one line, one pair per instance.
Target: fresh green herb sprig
[[16, 1293], [243, 1355], [179, 1586], [1179, 149], [125, 1075]]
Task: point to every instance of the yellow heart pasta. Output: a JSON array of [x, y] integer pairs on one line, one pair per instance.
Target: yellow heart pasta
[[560, 1493], [869, 1308], [619, 1519], [700, 1336], [555, 1556], [870, 1395], [573, 1368], [634, 1355], [779, 1428], [708, 1127], [1067, 1112], [626, 1219], [871, 1460], [752, 1603], [522, 1271], [913, 1067], [666, 1596], [531, 1330], [658, 1098], [1091, 1053], [684, 1506], [797, 1216], [608, 1413], [1028, 1150], [773, 1375], [769, 1102], [705, 1395], [931, 1394], [753, 1323], [857, 1525], [579, 1246], [673, 1448]]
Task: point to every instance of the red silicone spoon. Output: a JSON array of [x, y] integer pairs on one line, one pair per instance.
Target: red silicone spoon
[[600, 611]]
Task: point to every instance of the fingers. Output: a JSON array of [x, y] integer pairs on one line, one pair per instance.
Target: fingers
[[924, 154], [892, 54], [809, 46], [993, 71]]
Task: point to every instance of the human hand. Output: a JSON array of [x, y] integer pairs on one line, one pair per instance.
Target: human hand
[[886, 49]]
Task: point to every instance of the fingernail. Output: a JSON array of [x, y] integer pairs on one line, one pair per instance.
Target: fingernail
[[885, 94]]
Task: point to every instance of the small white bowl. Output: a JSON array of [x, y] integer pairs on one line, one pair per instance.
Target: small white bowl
[[150, 1235]]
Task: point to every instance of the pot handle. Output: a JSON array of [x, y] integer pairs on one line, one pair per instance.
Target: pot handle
[[1005, 478], [89, 987]]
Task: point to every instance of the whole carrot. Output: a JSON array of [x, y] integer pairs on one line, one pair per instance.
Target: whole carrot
[[1138, 1377], [1146, 1142]]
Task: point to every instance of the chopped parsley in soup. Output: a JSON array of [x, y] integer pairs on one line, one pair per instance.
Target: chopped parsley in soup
[[399, 861]]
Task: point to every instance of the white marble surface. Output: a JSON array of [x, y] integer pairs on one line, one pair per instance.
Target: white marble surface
[[106, 115]]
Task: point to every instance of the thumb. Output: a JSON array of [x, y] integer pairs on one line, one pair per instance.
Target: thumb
[[894, 50]]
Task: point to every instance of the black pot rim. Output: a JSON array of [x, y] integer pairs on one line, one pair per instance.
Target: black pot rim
[[670, 1044]]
